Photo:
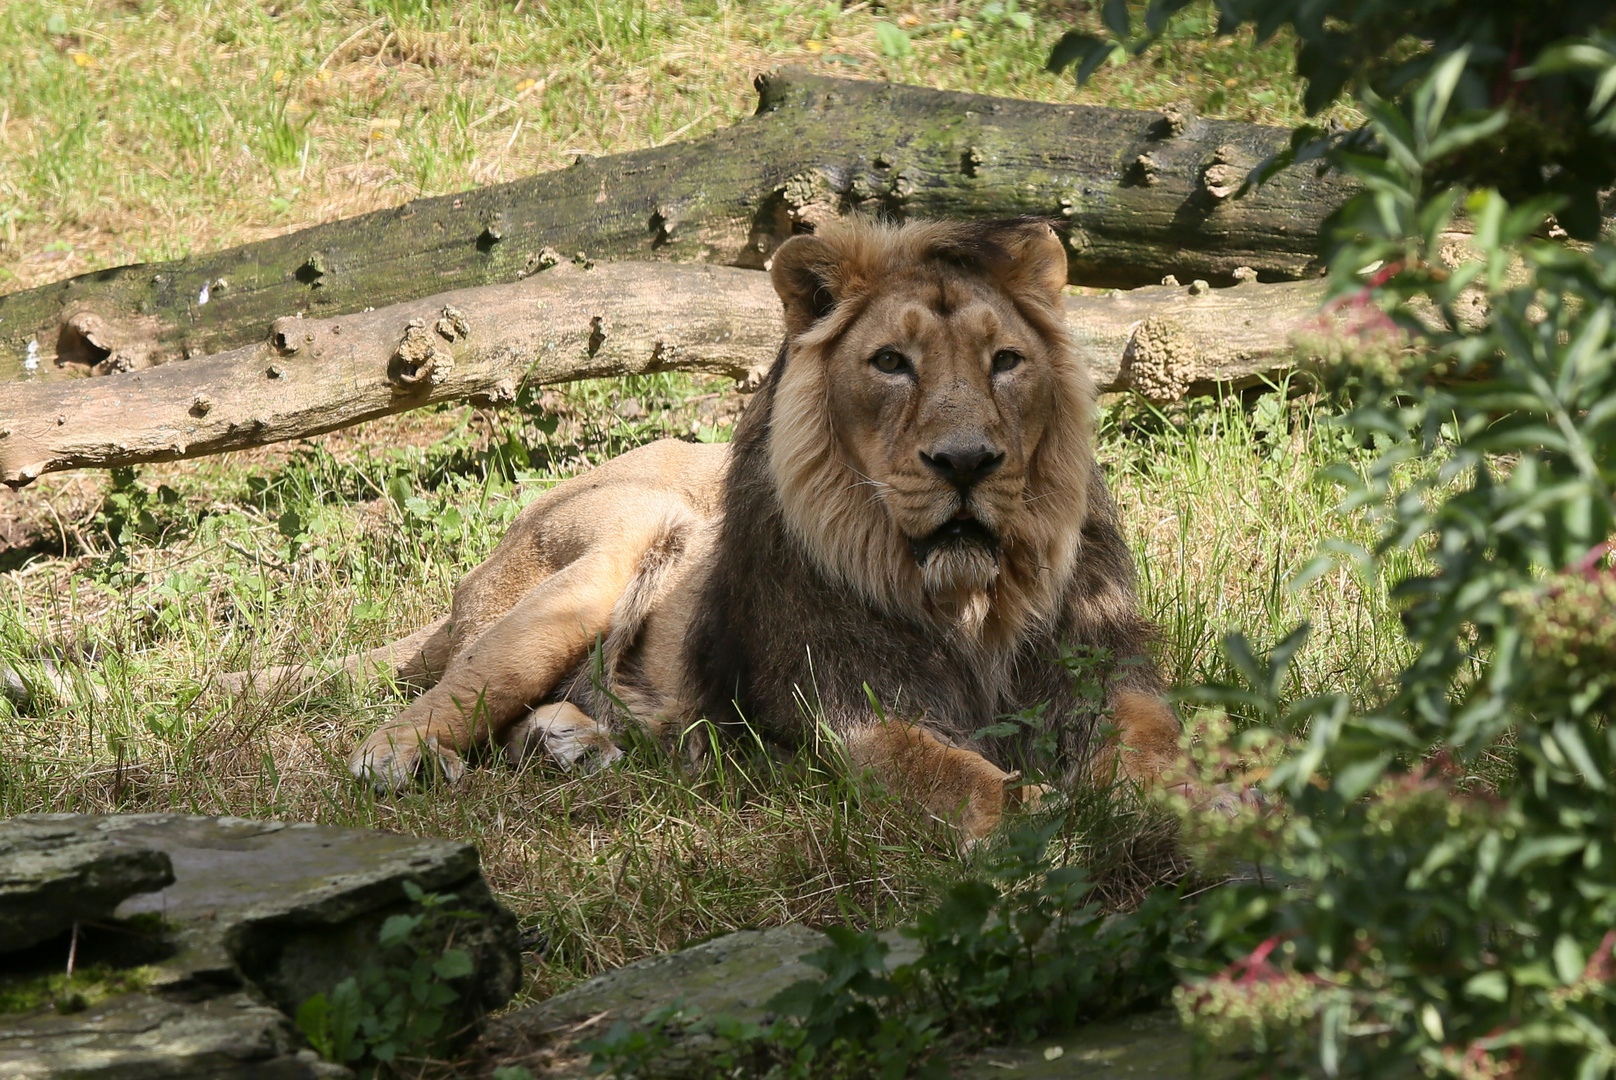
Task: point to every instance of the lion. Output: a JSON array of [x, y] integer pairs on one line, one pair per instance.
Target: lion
[[906, 532]]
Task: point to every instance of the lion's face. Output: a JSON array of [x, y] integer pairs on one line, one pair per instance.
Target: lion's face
[[930, 434]]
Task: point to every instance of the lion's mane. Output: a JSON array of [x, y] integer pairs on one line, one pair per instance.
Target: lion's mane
[[814, 601]]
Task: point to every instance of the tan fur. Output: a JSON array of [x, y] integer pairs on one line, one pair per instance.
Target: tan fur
[[953, 785], [624, 556]]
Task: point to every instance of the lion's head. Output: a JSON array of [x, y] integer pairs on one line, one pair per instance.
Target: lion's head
[[931, 431]]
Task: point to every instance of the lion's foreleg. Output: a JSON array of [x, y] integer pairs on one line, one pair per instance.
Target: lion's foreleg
[[515, 662], [959, 786], [1144, 746]]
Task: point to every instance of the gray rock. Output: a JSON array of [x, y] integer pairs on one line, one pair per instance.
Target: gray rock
[[256, 918], [142, 1037], [53, 874], [1150, 1046], [737, 974], [732, 975]]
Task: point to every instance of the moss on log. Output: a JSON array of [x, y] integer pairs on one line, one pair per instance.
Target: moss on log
[[1144, 194], [488, 343]]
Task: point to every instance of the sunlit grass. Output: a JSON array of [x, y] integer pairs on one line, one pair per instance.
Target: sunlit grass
[[148, 129]]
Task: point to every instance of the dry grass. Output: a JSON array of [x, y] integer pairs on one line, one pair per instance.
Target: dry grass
[[136, 130], [355, 538]]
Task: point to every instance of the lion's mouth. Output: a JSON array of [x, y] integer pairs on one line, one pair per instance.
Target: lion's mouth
[[963, 530]]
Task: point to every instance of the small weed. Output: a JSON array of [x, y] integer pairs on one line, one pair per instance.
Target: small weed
[[393, 1010]]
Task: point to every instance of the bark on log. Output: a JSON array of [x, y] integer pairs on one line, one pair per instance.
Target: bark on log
[[1144, 193], [487, 343]]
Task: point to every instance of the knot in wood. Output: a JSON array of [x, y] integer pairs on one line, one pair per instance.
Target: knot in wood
[[1226, 173], [810, 199], [418, 362], [1144, 171], [542, 259], [1175, 120], [283, 335], [452, 324], [1161, 360]]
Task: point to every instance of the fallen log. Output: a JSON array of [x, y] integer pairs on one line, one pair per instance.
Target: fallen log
[[1144, 194], [487, 344]]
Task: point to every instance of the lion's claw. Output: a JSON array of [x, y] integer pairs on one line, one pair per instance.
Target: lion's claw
[[390, 760]]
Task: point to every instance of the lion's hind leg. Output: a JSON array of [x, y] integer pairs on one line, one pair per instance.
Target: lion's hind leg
[[517, 661], [415, 661], [566, 734]]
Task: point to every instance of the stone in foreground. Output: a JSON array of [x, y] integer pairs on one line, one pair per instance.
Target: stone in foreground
[[737, 974], [53, 874], [209, 961]]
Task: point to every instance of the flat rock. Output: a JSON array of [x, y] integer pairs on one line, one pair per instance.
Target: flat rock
[[738, 973], [53, 874], [138, 1037], [732, 975], [1149, 1046], [255, 918]]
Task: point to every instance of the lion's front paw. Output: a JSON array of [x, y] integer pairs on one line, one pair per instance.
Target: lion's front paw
[[392, 757]]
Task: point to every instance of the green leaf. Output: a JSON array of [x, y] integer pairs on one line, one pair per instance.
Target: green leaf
[[1569, 959], [799, 999], [1074, 47], [893, 39], [314, 1021], [1115, 16], [1488, 986], [1541, 849], [396, 930], [1351, 780], [453, 964]]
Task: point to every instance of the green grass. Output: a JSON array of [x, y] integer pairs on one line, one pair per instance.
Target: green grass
[[147, 129], [141, 129], [349, 540]]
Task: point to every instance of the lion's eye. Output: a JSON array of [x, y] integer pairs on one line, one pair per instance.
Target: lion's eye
[[1005, 359], [890, 361]]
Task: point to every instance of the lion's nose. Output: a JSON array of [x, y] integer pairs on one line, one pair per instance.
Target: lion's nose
[[963, 465]]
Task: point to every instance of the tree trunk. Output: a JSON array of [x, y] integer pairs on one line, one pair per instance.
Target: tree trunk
[[1143, 194], [491, 342]]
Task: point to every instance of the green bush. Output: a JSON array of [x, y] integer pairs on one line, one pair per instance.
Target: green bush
[[1443, 894]]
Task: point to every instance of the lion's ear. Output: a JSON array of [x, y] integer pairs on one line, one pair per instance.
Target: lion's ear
[[1038, 260], [807, 273]]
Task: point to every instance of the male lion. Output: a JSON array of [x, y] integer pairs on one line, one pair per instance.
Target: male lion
[[910, 514]]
